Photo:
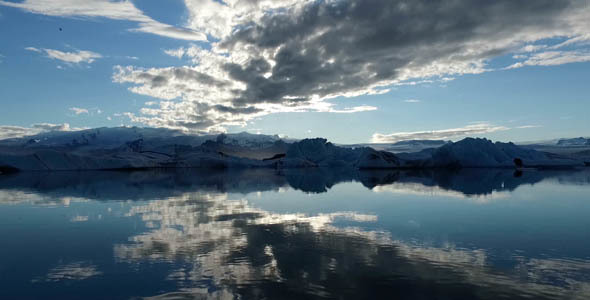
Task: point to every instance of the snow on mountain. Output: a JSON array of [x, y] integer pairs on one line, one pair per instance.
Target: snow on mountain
[[574, 142], [132, 147], [249, 140], [106, 137], [319, 152]]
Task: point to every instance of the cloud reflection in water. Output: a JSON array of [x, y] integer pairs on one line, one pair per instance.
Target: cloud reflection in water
[[218, 244]]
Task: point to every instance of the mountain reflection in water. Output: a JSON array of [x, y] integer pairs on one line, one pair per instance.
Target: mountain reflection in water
[[205, 235]]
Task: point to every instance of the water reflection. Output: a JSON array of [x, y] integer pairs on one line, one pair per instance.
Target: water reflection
[[216, 243], [231, 246], [65, 187], [72, 271]]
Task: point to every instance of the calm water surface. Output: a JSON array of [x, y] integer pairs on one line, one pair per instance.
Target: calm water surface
[[473, 234]]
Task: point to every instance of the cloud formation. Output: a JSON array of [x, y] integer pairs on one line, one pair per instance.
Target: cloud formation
[[444, 134], [7, 131], [115, 10], [75, 57], [53, 127], [290, 56]]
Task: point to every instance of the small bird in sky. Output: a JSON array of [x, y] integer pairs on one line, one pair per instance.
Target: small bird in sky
[[60, 29]]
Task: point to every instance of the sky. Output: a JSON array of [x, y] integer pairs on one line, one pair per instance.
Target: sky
[[352, 71]]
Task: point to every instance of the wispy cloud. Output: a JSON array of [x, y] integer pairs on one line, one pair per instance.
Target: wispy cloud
[[78, 110], [116, 10], [552, 58], [528, 126], [532, 48], [75, 57], [53, 127], [412, 101], [349, 110], [443, 134], [88, 111]]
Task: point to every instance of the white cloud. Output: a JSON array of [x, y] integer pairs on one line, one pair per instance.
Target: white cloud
[[528, 126], [178, 53], [355, 109], [78, 110], [579, 39], [219, 18], [412, 101], [33, 49], [88, 111], [553, 58], [116, 10], [443, 134], [7, 131], [75, 57], [53, 127], [532, 48]]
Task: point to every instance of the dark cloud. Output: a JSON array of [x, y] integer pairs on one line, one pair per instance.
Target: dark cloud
[[335, 47], [298, 55], [186, 74], [238, 110], [180, 74]]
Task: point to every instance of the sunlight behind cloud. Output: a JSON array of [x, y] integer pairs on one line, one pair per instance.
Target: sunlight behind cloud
[[290, 56], [443, 134]]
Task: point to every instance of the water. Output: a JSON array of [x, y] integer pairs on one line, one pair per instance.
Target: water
[[474, 234]]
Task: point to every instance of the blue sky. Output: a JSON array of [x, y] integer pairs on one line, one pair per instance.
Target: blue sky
[[209, 66]]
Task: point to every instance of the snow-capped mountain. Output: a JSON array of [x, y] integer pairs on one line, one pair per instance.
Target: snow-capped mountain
[[111, 138]]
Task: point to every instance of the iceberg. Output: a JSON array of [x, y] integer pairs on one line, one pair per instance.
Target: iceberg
[[147, 148]]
